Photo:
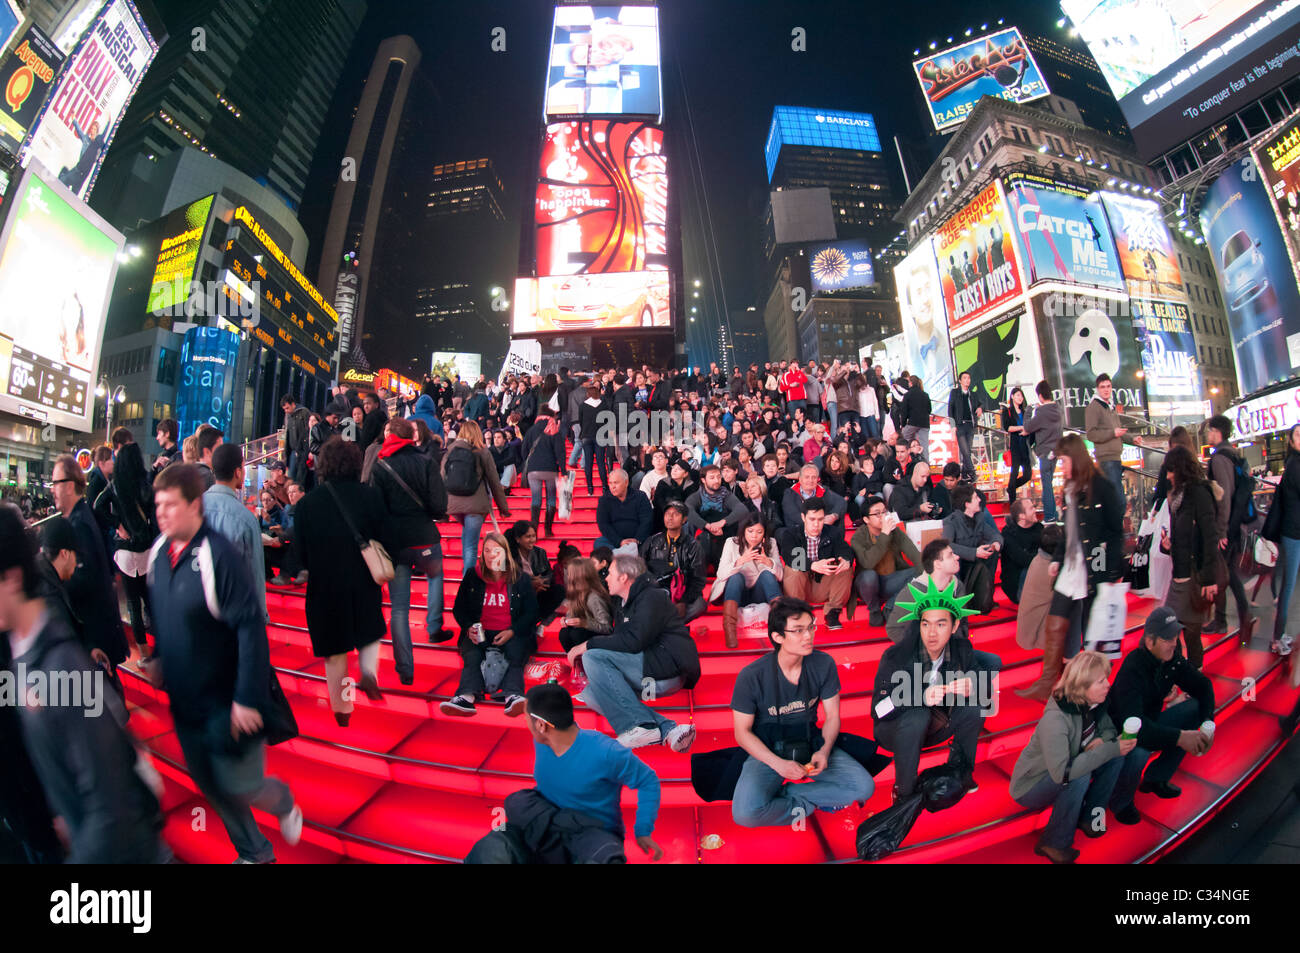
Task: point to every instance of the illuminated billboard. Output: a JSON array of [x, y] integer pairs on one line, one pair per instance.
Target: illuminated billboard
[[602, 199], [26, 76], [1063, 232], [445, 363], [1177, 66], [977, 260], [178, 255], [1255, 276], [1146, 249], [1278, 158], [205, 392], [1164, 335], [925, 329], [604, 60], [832, 129], [839, 265], [58, 260], [1001, 356], [954, 80], [79, 121], [609, 302]]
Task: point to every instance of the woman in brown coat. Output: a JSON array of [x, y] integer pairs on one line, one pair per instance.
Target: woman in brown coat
[[1036, 596], [472, 482]]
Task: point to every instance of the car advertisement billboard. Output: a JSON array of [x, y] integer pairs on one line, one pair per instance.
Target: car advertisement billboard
[[602, 199], [26, 75], [977, 261], [1003, 355], [839, 265], [925, 329], [1083, 336], [205, 390], [79, 121], [613, 302], [1278, 158], [1063, 233], [183, 233], [954, 80], [1177, 66], [1146, 249], [604, 60], [58, 261], [1255, 276], [1164, 336]]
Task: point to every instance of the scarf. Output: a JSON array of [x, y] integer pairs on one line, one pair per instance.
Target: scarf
[[392, 444], [714, 501]]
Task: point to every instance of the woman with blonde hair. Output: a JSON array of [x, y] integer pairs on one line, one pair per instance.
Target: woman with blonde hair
[[495, 607], [1073, 759], [190, 449], [586, 604], [472, 483]]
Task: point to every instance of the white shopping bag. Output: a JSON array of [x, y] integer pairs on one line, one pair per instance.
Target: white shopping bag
[[1161, 564], [1106, 621], [921, 532], [566, 494], [631, 549], [752, 621]]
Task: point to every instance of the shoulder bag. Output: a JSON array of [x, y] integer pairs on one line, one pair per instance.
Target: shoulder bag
[[372, 551], [404, 485]]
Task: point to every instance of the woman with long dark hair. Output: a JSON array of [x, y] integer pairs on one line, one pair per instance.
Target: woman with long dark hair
[[1013, 422], [1288, 498], [131, 499], [749, 572], [1193, 544], [587, 610]]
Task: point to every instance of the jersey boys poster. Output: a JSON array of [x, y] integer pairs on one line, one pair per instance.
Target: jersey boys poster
[[977, 261]]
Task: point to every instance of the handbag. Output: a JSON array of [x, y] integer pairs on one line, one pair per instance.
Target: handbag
[[278, 723], [372, 551], [1272, 529]]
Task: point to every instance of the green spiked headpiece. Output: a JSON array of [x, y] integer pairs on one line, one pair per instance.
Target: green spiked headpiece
[[934, 598]]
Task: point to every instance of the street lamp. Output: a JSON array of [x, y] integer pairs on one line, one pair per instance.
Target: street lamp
[[117, 396]]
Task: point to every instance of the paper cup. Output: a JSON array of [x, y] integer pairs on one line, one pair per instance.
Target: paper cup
[[1132, 725]]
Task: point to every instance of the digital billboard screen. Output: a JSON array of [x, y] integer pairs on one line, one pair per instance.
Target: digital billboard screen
[[1146, 249], [1063, 232], [1279, 160], [1177, 66], [604, 60], [574, 303], [1164, 335], [925, 329], [829, 128], [602, 199], [1003, 355], [183, 232], [58, 260], [1255, 276], [92, 92], [205, 392], [977, 260], [954, 80], [26, 75], [839, 265]]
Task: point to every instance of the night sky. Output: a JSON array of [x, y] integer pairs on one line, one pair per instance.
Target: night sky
[[731, 58]]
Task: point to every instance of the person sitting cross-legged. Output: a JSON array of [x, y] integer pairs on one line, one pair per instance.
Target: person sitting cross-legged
[[749, 572], [676, 563], [714, 513], [649, 653], [887, 558], [774, 713], [818, 562]]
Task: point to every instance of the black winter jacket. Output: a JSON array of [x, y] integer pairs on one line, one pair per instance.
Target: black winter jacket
[[690, 560], [468, 607], [1141, 687], [1101, 526], [916, 408], [408, 522], [1194, 537], [647, 624]]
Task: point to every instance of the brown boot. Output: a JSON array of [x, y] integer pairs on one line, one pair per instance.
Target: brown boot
[[730, 616], [1054, 633]]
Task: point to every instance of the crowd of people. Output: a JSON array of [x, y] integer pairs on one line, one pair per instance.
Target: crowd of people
[[774, 494]]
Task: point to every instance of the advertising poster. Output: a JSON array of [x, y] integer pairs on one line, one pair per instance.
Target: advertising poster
[[524, 357], [26, 75], [1276, 413], [93, 90], [1001, 356], [1063, 233], [925, 330], [469, 367], [205, 390], [1082, 336], [954, 80], [1279, 160], [1256, 279], [977, 261], [1146, 251], [178, 256], [604, 59], [57, 268], [1164, 335], [602, 199], [837, 266], [595, 303], [891, 354]]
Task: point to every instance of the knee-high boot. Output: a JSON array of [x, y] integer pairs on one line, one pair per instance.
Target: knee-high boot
[[730, 616], [550, 521], [536, 515], [1054, 633]]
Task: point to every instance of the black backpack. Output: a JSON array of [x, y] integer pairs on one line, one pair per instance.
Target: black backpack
[[1243, 510], [460, 472]]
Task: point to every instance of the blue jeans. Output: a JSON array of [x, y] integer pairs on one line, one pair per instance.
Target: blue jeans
[[471, 527], [427, 559], [1047, 473], [765, 589], [1184, 716], [764, 799], [576, 453], [833, 410], [1287, 564], [1073, 803], [871, 427], [1113, 470], [875, 590], [615, 686]]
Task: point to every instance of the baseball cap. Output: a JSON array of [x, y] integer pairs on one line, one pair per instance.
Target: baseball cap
[[677, 505], [57, 536], [1162, 623]]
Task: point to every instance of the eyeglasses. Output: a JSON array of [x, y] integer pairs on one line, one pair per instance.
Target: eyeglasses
[[802, 630], [64, 480], [877, 513], [541, 719]]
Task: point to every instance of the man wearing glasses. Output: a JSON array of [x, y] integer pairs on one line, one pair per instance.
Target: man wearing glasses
[[887, 557], [793, 766]]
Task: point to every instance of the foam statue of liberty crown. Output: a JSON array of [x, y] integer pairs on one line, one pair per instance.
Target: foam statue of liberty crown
[[932, 597]]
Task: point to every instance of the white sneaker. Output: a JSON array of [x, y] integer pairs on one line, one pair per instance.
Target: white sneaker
[[639, 737], [1283, 646], [291, 826], [681, 738]]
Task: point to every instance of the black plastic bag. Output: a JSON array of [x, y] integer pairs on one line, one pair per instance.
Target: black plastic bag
[[942, 786], [880, 834]]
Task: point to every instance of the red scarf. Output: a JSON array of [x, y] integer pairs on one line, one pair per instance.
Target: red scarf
[[393, 443]]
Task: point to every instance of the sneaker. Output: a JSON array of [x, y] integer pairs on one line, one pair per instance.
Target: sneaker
[[301, 578], [639, 737], [681, 738], [291, 826], [1282, 646], [833, 620], [970, 784], [515, 706], [461, 705]]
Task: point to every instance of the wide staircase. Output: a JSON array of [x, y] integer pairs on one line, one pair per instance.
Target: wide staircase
[[404, 783]]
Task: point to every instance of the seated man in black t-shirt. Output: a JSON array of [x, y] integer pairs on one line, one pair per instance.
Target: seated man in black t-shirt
[[793, 767]]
